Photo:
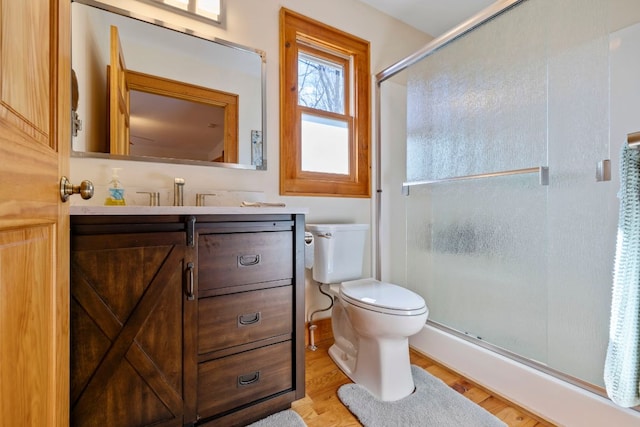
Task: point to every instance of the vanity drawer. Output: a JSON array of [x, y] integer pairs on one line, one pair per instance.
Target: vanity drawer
[[235, 259], [232, 381], [235, 319]]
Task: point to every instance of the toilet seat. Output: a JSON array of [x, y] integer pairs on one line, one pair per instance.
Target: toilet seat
[[382, 297]]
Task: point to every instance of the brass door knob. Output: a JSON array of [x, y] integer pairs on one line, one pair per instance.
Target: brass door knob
[[85, 189]]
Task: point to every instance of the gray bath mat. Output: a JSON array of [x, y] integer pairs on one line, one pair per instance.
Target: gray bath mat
[[288, 418], [432, 404]]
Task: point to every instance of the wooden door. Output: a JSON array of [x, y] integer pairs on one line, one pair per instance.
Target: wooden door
[[133, 330], [119, 104], [34, 247]]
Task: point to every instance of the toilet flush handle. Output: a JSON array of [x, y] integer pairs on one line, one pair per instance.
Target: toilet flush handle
[[325, 235]]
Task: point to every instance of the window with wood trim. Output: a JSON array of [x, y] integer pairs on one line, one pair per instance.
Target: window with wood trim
[[210, 10], [325, 120]]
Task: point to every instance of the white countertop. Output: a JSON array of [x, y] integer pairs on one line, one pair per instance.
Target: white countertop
[[183, 210]]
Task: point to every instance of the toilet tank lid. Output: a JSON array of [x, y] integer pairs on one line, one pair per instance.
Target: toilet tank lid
[[332, 228]]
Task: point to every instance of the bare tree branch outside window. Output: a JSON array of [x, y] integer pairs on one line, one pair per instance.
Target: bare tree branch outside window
[[320, 85]]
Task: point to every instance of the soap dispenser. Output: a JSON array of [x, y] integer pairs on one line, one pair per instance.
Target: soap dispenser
[[116, 191]]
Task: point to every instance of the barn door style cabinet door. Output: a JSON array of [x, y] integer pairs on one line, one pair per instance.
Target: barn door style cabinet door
[[186, 320], [132, 320]]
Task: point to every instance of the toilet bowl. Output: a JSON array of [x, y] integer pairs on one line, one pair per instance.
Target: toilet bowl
[[371, 320]]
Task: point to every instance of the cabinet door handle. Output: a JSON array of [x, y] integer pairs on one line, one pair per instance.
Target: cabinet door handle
[[248, 260], [248, 379], [249, 319], [190, 286]]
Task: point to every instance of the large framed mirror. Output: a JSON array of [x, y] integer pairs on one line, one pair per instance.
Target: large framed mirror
[[147, 90]]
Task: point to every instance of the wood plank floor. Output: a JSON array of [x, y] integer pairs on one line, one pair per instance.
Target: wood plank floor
[[322, 408]]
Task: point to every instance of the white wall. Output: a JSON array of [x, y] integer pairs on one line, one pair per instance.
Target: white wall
[[255, 23]]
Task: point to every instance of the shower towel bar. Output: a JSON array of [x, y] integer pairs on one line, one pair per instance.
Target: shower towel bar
[[633, 140], [542, 170]]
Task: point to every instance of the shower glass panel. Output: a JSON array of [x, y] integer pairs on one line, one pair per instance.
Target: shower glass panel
[[521, 266], [479, 256], [478, 105], [582, 213], [393, 107]]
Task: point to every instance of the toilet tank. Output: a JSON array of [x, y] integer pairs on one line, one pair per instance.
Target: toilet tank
[[338, 251]]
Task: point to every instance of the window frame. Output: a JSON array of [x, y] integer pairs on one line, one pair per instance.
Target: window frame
[[301, 34], [191, 11]]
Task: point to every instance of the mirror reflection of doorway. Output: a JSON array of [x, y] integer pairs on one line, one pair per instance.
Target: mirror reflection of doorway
[[153, 116], [163, 126]]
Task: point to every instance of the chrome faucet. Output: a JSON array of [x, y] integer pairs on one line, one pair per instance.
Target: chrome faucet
[[178, 192]]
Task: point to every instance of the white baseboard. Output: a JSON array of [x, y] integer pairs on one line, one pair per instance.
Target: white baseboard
[[551, 398]]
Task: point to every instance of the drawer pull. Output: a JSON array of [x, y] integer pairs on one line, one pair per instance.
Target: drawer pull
[[249, 319], [248, 379], [248, 260]]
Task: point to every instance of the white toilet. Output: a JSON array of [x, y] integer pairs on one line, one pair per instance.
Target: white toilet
[[371, 320]]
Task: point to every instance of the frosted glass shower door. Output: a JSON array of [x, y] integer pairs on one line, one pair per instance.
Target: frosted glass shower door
[[476, 249], [582, 213], [522, 266]]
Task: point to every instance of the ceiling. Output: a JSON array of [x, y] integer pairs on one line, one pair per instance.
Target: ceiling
[[434, 17]]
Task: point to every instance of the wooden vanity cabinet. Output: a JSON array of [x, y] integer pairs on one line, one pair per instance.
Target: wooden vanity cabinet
[[186, 320]]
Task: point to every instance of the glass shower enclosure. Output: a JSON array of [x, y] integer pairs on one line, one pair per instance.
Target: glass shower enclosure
[[508, 215]]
